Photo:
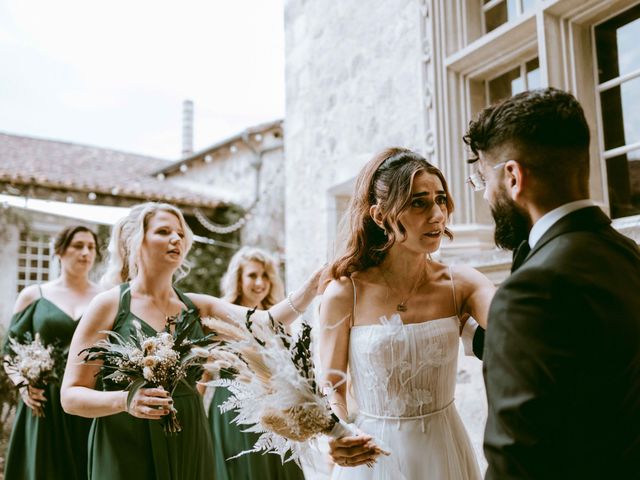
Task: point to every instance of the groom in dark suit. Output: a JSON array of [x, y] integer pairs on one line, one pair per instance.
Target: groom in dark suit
[[562, 349]]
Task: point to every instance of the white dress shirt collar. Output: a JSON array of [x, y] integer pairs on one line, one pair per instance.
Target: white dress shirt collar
[[545, 222]]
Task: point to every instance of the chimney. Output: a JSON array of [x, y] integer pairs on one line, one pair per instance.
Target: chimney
[[187, 128]]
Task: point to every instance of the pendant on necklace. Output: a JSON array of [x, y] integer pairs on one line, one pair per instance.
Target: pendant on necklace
[[401, 307]]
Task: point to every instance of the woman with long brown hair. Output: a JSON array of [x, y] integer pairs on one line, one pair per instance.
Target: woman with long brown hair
[[45, 441], [392, 316]]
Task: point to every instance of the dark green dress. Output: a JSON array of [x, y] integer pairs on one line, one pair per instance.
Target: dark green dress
[[229, 440], [53, 447], [124, 447]]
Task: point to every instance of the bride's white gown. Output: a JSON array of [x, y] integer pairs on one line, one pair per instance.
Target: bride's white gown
[[403, 379]]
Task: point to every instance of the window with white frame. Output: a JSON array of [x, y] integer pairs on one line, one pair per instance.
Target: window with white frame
[[498, 12], [525, 76], [34, 259], [618, 85]]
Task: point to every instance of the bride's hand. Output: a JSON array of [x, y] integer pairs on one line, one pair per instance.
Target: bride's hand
[[354, 451]]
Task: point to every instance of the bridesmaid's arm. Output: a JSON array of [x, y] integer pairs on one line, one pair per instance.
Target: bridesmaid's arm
[[284, 312], [78, 395], [33, 397], [26, 297]]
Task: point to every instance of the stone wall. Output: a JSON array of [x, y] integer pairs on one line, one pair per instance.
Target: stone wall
[[239, 172], [9, 236], [353, 87]]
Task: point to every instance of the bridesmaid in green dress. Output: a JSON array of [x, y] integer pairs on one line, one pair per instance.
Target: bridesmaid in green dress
[[251, 281], [147, 252], [53, 446]]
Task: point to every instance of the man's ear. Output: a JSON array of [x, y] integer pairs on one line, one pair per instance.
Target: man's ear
[[374, 211], [515, 178]]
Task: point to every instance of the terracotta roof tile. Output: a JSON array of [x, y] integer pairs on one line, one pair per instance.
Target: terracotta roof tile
[[33, 162]]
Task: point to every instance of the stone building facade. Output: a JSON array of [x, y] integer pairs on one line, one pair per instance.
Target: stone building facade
[[413, 73], [247, 170]]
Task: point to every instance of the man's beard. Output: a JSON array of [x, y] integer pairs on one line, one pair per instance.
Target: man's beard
[[513, 223]]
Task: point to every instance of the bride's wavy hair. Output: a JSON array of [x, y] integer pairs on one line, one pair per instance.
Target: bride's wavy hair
[[386, 180], [126, 241]]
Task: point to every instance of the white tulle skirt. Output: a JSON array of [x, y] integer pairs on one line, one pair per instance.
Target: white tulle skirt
[[429, 447]]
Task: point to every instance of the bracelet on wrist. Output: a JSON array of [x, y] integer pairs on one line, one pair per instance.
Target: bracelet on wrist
[[292, 306]]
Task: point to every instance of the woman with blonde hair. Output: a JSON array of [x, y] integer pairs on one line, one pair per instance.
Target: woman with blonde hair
[[252, 281], [147, 254], [392, 316]]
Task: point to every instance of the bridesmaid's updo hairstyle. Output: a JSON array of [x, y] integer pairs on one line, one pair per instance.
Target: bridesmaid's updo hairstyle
[[64, 238], [386, 180], [126, 242]]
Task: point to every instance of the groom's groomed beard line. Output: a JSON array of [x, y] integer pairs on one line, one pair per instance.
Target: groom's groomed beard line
[[512, 223]]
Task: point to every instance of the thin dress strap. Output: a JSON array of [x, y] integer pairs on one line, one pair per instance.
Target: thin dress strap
[[40, 291], [186, 300], [353, 311], [124, 305], [453, 291]]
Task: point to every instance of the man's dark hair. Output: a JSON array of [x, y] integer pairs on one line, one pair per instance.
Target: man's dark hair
[[547, 125]]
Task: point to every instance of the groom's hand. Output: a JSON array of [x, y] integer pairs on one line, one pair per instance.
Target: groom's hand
[[353, 451]]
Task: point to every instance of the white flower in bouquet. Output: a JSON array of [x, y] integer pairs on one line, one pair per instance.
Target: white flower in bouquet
[[274, 391], [163, 360], [35, 363]]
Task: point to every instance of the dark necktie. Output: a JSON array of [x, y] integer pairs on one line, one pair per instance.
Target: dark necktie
[[519, 255]]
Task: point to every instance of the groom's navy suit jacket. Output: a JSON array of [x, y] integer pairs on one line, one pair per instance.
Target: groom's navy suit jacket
[[562, 357]]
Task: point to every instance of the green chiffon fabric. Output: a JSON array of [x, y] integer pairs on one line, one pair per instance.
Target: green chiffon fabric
[[229, 440], [122, 446], [53, 447]]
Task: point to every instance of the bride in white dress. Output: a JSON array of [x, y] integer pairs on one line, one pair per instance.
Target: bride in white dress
[[391, 318]]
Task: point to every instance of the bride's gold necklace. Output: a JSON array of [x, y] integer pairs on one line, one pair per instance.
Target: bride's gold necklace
[[402, 306]]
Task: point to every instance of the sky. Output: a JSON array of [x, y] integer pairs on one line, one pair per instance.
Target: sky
[[114, 74]]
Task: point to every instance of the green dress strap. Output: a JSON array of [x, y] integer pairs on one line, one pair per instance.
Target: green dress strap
[[186, 300], [124, 305], [21, 323]]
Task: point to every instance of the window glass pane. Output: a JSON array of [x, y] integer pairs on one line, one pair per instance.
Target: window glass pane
[[623, 173], [528, 5], [512, 9], [495, 16], [616, 42], [517, 85], [628, 51], [533, 74], [505, 85], [621, 114]]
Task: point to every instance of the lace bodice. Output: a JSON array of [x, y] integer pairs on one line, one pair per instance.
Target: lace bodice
[[402, 370]]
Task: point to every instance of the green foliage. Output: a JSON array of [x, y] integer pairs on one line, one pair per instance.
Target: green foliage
[[209, 262]]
